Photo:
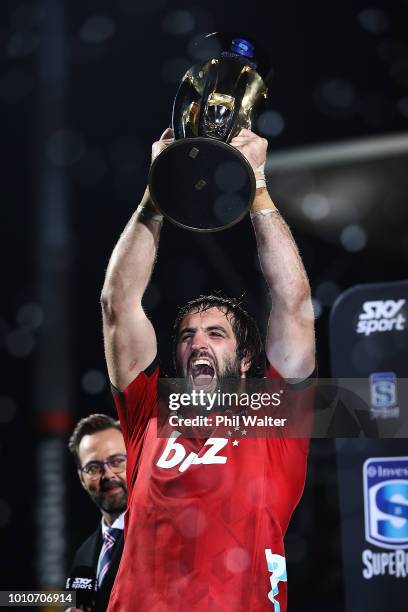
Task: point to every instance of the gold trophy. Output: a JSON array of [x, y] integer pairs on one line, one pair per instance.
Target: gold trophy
[[200, 182]]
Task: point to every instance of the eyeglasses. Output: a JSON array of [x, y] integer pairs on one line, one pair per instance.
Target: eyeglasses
[[95, 469]]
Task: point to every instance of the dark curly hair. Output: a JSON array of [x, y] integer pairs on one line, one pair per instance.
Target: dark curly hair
[[88, 426], [243, 325]]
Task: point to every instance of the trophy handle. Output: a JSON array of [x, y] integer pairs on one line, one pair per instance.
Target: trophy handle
[[240, 90], [209, 86], [181, 103]]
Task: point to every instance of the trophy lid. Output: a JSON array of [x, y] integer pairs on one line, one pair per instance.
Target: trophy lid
[[236, 45]]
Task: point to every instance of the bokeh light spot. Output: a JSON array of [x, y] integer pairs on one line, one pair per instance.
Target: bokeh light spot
[[30, 316], [93, 382], [97, 29], [353, 238], [20, 343], [327, 292], [315, 206], [373, 20], [271, 123], [178, 22], [230, 176], [338, 93], [236, 560], [228, 207]]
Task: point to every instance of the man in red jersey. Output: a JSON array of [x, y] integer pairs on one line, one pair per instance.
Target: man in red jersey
[[205, 524]]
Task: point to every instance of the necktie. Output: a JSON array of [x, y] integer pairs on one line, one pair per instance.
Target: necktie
[[109, 538]]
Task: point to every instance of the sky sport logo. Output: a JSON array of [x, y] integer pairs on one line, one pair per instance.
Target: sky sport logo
[[381, 316], [386, 516], [82, 583]]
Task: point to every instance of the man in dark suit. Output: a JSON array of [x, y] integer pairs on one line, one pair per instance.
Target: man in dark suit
[[100, 454]]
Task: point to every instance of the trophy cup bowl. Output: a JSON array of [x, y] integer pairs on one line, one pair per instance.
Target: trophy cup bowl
[[200, 182]]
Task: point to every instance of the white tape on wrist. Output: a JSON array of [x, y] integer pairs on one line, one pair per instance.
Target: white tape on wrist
[[260, 171], [260, 182], [263, 212], [260, 176]]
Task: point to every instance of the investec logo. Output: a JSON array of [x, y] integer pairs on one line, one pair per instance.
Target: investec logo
[[381, 316], [386, 516]]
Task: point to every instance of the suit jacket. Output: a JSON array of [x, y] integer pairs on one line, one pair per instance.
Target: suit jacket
[[87, 555]]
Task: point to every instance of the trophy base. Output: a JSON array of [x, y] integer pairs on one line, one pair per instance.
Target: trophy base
[[202, 185]]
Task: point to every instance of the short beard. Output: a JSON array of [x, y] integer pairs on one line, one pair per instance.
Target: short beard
[[112, 505], [231, 369]]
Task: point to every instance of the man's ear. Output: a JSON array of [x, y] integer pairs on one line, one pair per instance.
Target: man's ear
[[245, 365]]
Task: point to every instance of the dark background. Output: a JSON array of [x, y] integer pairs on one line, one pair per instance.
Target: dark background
[[85, 88]]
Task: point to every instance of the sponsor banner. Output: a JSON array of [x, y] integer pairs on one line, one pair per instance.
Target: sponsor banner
[[369, 330], [373, 488], [369, 341], [385, 482]]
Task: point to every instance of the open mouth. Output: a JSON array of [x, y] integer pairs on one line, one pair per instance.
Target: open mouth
[[202, 372]]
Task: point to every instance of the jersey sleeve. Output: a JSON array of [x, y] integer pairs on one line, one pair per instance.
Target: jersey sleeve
[[297, 400], [135, 406]]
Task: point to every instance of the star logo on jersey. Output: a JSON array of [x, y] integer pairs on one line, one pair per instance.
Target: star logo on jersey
[[235, 443]]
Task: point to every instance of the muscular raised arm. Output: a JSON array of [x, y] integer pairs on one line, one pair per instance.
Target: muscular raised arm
[[130, 340], [290, 341]]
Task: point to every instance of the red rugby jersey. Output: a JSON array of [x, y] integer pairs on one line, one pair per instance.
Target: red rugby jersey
[[207, 537]]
